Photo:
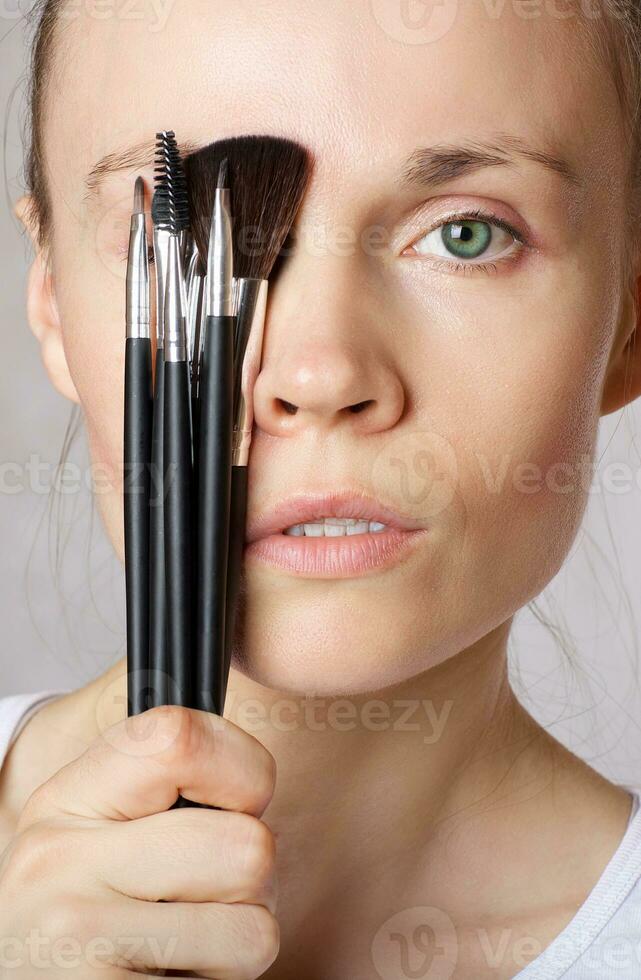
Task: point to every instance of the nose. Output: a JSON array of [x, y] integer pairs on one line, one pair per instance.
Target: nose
[[324, 370]]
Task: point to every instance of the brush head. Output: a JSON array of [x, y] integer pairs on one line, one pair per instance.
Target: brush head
[[223, 174], [170, 207], [268, 177], [139, 196]]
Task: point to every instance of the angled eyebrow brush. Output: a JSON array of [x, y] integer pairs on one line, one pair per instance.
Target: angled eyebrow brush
[[137, 455], [268, 178]]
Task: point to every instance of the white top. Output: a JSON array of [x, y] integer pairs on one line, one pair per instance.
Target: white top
[[601, 942]]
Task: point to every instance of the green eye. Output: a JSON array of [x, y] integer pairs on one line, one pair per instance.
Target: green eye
[[468, 238]]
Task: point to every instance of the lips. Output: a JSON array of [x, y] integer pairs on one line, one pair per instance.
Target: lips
[[307, 509], [270, 539]]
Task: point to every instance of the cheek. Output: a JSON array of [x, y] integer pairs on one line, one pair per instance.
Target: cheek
[[527, 454], [94, 340]]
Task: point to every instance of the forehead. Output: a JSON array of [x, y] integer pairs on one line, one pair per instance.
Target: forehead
[[356, 82]]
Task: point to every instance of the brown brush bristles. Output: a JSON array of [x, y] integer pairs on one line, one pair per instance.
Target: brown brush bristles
[[268, 177]]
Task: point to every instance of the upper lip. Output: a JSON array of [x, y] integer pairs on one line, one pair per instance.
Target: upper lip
[[307, 508]]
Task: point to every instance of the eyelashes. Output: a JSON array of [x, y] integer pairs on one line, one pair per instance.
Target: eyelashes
[[473, 241]]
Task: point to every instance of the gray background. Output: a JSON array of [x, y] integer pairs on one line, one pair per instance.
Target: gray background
[[61, 594]]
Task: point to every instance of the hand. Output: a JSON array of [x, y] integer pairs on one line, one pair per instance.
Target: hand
[[100, 871]]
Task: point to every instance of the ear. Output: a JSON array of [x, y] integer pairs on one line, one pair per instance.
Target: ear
[[42, 309], [622, 382]]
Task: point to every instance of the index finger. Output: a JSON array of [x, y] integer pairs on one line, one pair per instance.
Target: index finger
[[140, 765]]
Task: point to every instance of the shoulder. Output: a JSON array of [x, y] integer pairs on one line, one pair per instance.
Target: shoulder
[[603, 939]]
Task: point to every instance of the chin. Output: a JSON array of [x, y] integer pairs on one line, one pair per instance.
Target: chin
[[335, 643]]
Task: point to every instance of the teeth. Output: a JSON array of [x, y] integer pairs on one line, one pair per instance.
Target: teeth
[[360, 527], [375, 527], [297, 531], [335, 527]]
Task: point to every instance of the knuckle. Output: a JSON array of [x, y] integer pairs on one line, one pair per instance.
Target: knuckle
[[38, 803], [253, 941], [259, 851], [33, 854], [174, 731], [265, 783], [264, 937], [70, 917]]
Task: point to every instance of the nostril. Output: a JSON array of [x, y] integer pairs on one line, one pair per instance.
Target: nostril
[[360, 406], [287, 406]]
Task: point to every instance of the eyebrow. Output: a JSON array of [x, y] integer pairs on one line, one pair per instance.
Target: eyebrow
[[438, 164], [432, 165], [140, 155]]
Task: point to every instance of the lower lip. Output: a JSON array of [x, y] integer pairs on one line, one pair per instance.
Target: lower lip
[[341, 557]]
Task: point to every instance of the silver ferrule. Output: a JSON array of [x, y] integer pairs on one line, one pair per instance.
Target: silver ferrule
[[175, 305], [196, 309], [220, 258], [191, 270], [137, 304], [161, 258], [250, 327]]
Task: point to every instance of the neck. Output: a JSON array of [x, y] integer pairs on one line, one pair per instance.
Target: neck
[[437, 742], [410, 757]]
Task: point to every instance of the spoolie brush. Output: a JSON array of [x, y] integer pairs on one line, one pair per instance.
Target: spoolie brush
[[177, 461], [169, 210], [268, 177]]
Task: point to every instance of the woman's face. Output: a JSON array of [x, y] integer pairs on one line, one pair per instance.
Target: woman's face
[[480, 349]]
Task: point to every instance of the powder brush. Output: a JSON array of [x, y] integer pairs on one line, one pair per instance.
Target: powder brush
[[268, 177]]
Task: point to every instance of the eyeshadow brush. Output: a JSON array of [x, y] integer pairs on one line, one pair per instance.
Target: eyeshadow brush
[[137, 454], [214, 454], [268, 178]]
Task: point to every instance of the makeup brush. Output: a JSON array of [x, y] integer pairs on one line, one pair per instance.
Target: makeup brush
[[268, 178], [158, 622], [195, 318], [166, 149], [177, 451], [215, 407], [137, 454]]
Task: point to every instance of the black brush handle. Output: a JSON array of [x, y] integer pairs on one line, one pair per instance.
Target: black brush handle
[[237, 522], [214, 487], [158, 663], [179, 543], [137, 452]]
